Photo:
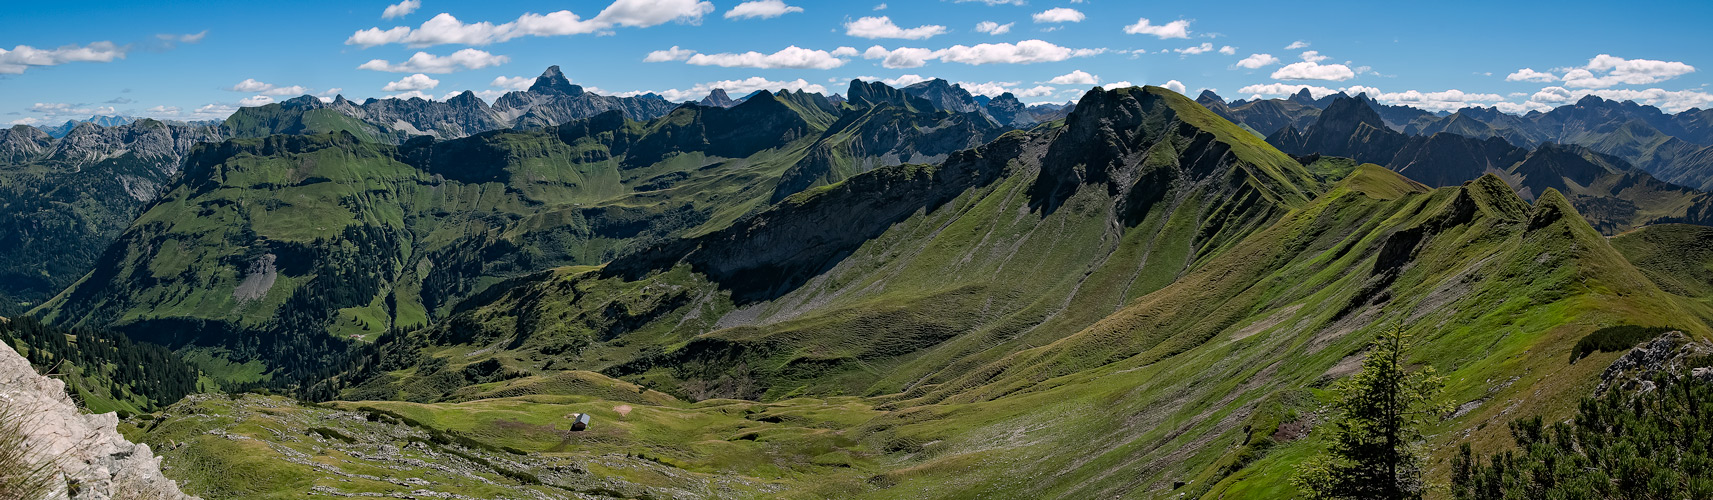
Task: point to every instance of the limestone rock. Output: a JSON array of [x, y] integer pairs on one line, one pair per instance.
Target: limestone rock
[[87, 449]]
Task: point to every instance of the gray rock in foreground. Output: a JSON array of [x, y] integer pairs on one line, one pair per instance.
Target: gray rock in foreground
[[87, 449]]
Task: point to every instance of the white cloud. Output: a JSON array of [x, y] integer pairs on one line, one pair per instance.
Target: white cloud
[[646, 13], [1309, 70], [1059, 15], [1199, 49], [193, 37], [163, 111], [1174, 29], [254, 101], [424, 62], [1175, 86], [790, 57], [880, 7], [512, 82], [250, 85], [417, 81], [22, 57], [738, 88], [1257, 61], [1449, 100], [29, 120], [672, 54], [1530, 75], [993, 28], [1286, 89], [1299, 44], [996, 89], [1313, 56], [882, 27], [1669, 100], [1618, 70], [1228, 50], [901, 81], [401, 9], [1119, 85], [413, 94], [446, 29], [761, 8], [902, 57], [1078, 77], [1024, 52], [846, 52], [213, 110]]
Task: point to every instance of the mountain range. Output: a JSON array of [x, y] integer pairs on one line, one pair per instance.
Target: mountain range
[[895, 293]]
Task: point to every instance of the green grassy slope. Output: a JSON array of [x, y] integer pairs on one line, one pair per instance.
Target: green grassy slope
[[1039, 323], [869, 285], [267, 245]]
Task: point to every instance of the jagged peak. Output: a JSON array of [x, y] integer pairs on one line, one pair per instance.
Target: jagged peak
[[1207, 95], [553, 81]]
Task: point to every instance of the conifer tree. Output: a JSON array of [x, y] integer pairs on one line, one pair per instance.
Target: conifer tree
[[1373, 451]]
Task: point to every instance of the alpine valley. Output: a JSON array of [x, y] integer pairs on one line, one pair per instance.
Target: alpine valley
[[896, 291]]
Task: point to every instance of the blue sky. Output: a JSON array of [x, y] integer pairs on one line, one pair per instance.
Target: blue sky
[[200, 60]]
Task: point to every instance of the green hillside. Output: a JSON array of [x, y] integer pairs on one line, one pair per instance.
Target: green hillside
[[1092, 310]]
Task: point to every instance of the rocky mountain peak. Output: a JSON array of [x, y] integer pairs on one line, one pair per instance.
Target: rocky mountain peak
[[718, 98], [1208, 96], [553, 81], [944, 95]]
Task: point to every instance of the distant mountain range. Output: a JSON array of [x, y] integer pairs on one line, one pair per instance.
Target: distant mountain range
[[1676, 148], [886, 293]]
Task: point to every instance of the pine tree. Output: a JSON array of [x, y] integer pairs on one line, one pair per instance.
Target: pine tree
[[1373, 451]]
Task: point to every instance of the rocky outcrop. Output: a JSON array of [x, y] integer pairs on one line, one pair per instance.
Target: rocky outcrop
[[91, 460], [1665, 358], [944, 96], [718, 99]]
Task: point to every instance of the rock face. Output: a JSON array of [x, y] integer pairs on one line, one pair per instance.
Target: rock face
[[87, 449], [1666, 355]]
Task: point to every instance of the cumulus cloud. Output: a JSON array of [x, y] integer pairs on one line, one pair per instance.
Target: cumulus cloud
[[1310, 70], [401, 9], [1671, 101], [1059, 15], [996, 89], [1448, 100], [1530, 75], [1313, 56], [672, 54], [446, 29], [1175, 29], [883, 27], [1024, 52], [793, 57], [1286, 89], [1299, 44], [22, 57], [1119, 84], [417, 81], [1078, 77], [1606, 71], [512, 82], [250, 102], [252, 86], [1228, 50], [1175, 86], [902, 57], [1199, 49], [761, 9], [993, 28], [901, 81], [424, 62], [1257, 61], [738, 88]]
